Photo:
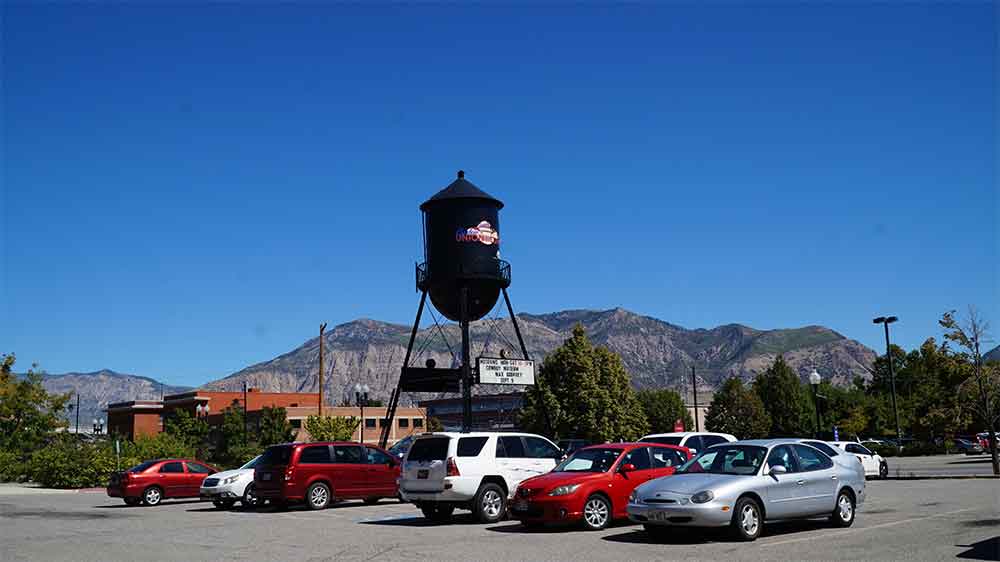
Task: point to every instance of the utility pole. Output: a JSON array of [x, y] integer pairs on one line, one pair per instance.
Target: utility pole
[[246, 438], [78, 412], [694, 393], [885, 321], [322, 328]]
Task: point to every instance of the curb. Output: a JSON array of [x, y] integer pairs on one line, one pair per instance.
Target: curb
[[90, 490], [945, 477]]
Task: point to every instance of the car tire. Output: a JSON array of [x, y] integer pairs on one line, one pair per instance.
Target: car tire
[[490, 503], [223, 504], [152, 496], [883, 470], [596, 513], [372, 500], [436, 512], [132, 502], [250, 498], [318, 496], [843, 514], [748, 519]]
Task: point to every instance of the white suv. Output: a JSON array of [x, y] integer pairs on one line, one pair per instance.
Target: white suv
[[695, 440], [474, 471]]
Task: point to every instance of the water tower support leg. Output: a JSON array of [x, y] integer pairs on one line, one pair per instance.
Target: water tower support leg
[[463, 314], [390, 412]]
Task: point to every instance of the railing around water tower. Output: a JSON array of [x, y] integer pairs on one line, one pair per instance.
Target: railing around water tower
[[485, 269]]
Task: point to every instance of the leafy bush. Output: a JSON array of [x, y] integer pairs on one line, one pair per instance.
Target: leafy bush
[[922, 449], [68, 463], [885, 450], [12, 467], [331, 428]]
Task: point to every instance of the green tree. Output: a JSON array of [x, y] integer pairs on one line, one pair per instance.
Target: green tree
[[434, 424], [29, 415], [191, 431], [331, 428], [663, 407], [784, 399], [737, 410], [234, 445], [585, 392], [274, 427]]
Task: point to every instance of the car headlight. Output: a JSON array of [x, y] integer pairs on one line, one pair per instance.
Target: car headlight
[[703, 497], [564, 490], [230, 480]]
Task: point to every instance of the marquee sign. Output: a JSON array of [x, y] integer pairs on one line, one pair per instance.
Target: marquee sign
[[494, 370]]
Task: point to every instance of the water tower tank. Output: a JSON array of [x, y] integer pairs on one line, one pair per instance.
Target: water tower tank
[[462, 249]]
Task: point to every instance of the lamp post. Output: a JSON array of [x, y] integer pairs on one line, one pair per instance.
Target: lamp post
[[885, 321], [814, 380], [361, 399], [201, 410], [98, 426]]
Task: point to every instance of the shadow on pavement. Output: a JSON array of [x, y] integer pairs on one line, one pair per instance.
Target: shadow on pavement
[[988, 549], [694, 535], [166, 503], [515, 527], [418, 520], [982, 459]]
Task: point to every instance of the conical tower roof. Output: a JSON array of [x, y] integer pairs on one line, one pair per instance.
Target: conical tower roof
[[461, 189]]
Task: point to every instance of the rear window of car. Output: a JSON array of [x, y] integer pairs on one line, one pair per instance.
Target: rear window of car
[[470, 446], [278, 455], [664, 440], [430, 449], [142, 467]]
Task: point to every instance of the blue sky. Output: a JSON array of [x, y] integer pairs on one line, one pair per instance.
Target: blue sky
[[189, 189]]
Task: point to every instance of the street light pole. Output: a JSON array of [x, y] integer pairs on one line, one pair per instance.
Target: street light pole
[[885, 321], [814, 380], [361, 399]]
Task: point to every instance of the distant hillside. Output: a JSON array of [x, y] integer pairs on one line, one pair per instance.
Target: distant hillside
[[993, 355], [100, 388], [657, 354]]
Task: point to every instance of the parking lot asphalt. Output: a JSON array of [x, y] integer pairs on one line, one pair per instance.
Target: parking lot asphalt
[[902, 520], [940, 465]]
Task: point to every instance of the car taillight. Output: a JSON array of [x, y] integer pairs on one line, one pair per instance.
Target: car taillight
[[452, 468], [289, 473]]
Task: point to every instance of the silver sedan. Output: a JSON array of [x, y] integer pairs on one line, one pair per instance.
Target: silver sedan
[[746, 483]]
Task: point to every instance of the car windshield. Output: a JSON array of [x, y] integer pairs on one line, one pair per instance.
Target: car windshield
[[741, 460], [589, 460], [141, 467], [663, 440], [253, 462], [401, 446]]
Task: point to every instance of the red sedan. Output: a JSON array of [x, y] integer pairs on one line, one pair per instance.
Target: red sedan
[[152, 481], [593, 485]]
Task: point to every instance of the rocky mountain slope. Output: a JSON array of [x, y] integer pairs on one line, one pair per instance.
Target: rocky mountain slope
[[656, 353], [993, 355], [100, 388]]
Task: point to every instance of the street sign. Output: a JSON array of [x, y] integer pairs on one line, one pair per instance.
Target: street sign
[[494, 370], [679, 425]]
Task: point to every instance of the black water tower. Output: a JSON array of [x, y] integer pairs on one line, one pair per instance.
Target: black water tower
[[462, 251]]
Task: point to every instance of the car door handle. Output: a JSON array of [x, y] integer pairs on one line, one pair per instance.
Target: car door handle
[[800, 482], [834, 477]]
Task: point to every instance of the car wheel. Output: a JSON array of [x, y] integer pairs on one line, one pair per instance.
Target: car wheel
[[747, 520], [132, 501], [318, 496], [883, 470], [596, 513], [250, 498], [223, 504], [372, 501], [151, 496], [439, 513], [490, 504], [843, 514]]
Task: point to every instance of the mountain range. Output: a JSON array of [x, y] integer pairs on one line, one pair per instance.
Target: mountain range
[[656, 353], [100, 388]]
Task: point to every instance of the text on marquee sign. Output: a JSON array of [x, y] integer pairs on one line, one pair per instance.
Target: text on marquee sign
[[493, 370]]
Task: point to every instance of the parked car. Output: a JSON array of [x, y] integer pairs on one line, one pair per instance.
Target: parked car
[[225, 488], [570, 446], [744, 484], [968, 447], [153, 481], [592, 486], [399, 448], [321, 473], [696, 441], [984, 440], [475, 471], [838, 455], [874, 463]]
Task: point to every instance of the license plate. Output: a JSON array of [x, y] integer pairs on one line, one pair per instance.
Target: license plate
[[265, 476], [658, 516], [422, 474], [520, 505]]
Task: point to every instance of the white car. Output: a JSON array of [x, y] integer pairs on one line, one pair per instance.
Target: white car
[[477, 471], [697, 441], [873, 462], [228, 487]]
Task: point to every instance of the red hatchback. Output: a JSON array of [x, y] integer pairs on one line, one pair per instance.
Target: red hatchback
[[319, 473], [593, 485], [151, 482]]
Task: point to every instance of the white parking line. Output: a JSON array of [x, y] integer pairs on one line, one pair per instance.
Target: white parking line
[[878, 526]]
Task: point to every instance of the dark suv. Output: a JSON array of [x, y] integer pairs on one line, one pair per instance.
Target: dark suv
[[320, 473]]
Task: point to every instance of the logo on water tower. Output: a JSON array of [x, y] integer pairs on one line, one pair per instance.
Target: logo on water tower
[[482, 232]]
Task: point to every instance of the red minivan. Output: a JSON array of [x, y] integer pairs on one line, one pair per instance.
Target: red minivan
[[151, 482], [321, 473]]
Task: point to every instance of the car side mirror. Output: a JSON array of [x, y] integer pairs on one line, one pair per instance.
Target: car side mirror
[[693, 452], [628, 467], [778, 469]]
